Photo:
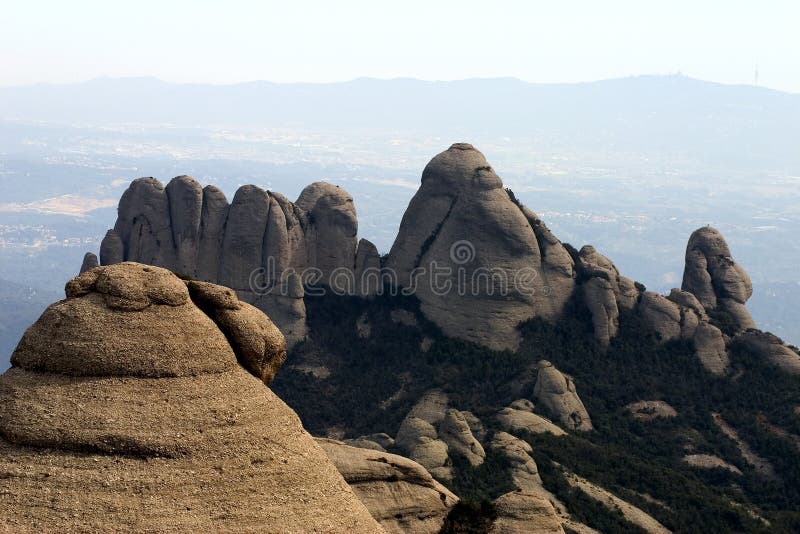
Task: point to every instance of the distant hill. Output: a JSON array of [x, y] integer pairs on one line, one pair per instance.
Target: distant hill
[[662, 113]]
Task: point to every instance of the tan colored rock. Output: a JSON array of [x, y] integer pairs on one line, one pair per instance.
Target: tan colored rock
[[663, 315], [461, 223], [771, 348], [650, 410], [161, 431], [709, 461], [258, 344], [455, 431], [556, 392], [431, 407], [412, 430], [399, 493], [715, 278], [517, 421], [72, 337], [521, 512], [709, 346], [524, 471]]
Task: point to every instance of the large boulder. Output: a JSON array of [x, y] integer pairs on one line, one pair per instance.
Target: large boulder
[[330, 233], [127, 403], [455, 431], [520, 512], [524, 471], [715, 278], [556, 391], [399, 493], [472, 256], [771, 348], [516, 419]]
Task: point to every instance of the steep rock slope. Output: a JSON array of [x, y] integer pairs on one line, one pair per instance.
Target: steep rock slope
[[472, 255], [127, 402]]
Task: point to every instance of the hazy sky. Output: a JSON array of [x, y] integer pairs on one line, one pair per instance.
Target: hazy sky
[[541, 41]]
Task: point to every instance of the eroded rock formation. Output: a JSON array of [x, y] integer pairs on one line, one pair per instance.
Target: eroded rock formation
[[259, 244], [556, 391], [127, 402], [399, 493], [715, 278], [463, 229]]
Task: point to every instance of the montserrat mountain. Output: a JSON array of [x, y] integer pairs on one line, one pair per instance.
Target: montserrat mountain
[[479, 262], [139, 403]]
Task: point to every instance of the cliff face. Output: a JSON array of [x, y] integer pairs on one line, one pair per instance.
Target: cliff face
[[473, 256], [128, 402]]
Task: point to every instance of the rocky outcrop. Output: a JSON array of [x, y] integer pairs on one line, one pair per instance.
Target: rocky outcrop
[[330, 232], [418, 436], [663, 315], [681, 316], [89, 262], [127, 402], [463, 229], [257, 343], [399, 493], [455, 431], [258, 245], [432, 432], [712, 276], [524, 471], [520, 418], [520, 512], [556, 391], [605, 292], [771, 348], [650, 410]]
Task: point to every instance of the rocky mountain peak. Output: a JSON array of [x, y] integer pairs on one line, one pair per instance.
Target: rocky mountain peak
[[128, 399], [712, 276]]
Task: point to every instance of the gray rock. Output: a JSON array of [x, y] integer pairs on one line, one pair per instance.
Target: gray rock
[[715, 278], [89, 262], [143, 224], [185, 198], [243, 243], [462, 223], [663, 315], [331, 233], [556, 391], [709, 344], [598, 293], [771, 348], [111, 249], [368, 269], [212, 232]]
